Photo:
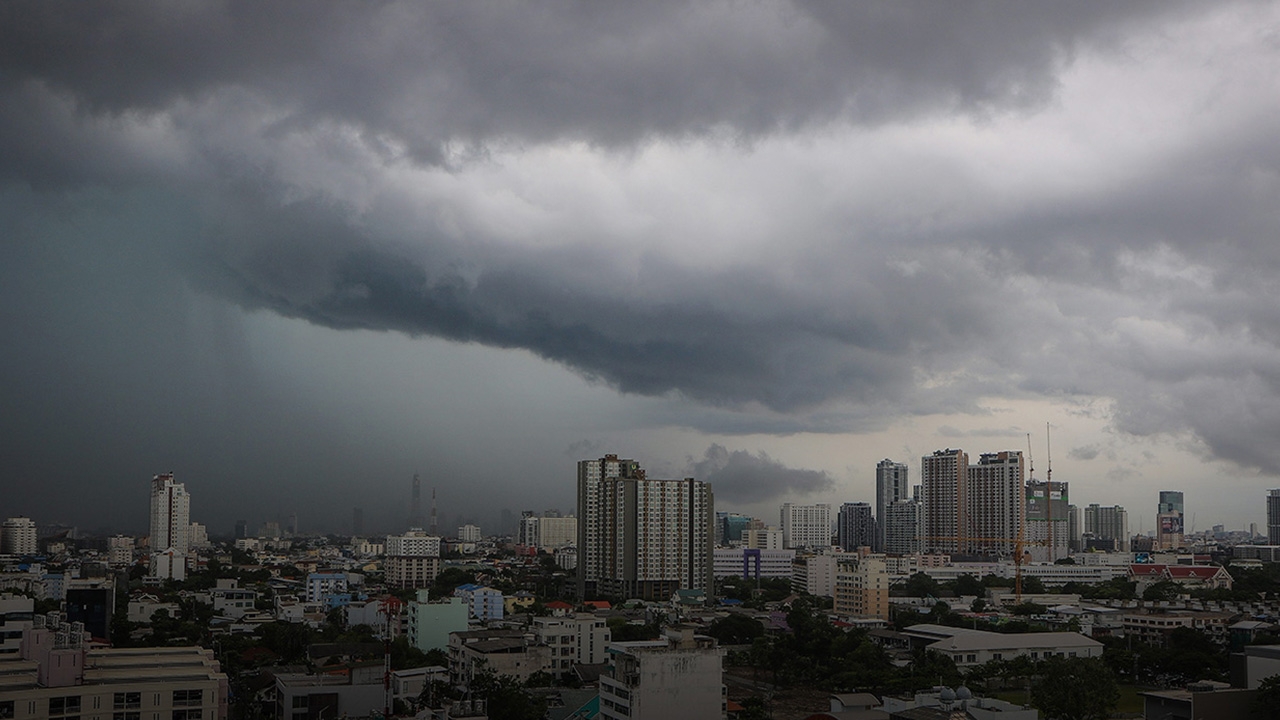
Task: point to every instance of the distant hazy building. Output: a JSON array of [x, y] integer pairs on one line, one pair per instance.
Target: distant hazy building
[[806, 525], [242, 529], [170, 527], [639, 537], [18, 536], [891, 487], [469, 533], [1075, 528], [1108, 523], [120, 550], [1273, 517], [731, 527], [855, 526], [556, 532], [357, 521]]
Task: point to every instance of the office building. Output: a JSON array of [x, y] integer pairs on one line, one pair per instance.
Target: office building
[[806, 526], [753, 564], [1108, 524], [1169, 519], [640, 537], [891, 487], [679, 676], [1273, 517], [855, 527], [903, 525], [170, 527], [1048, 531], [730, 527], [18, 536], [413, 559], [943, 483]]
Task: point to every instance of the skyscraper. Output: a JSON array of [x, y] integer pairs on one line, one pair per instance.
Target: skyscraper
[[1273, 517], [806, 525], [415, 504], [1169, 519], [891, 487], [903, 528], [170, 525], [855, 526], [642, 538], [943, 478]]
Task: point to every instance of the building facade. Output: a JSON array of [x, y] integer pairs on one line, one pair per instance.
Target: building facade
[[1048, 526], [1108, 523], [855, 527], [942, 480], [18, 536], [1273, 517], [1169, 519], [806, 526], [170, 527], [862, 588], [903, 528], [676, 677], [413, 559], [753, 564], [891, 487], [640, 537]]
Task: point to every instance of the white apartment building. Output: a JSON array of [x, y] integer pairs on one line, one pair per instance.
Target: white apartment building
[[170, 527], [996, 501], [231, 600], [676, 677], [815, 574], [1108, 523], [412, 560], [806, 525], [557, 532], [469, 533], [18, 536], [580, 639], [120, 550], [16, 613], [642, 538], [322, 585], [752, 564]]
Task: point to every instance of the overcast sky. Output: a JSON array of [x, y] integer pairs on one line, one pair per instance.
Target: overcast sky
[[296, 252]]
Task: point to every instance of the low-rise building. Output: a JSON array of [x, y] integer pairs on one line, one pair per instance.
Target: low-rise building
[[580, 639], [751, 563], [342, 691], [1156, 626], [502, 651], [231, 600], [969, 648], [430, 623], [485, 602], [678, 676]]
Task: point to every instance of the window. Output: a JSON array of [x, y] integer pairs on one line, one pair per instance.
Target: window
[[126, 716], [6, 709], [69, 705], [127, 701], [186, 715], [188, 698]]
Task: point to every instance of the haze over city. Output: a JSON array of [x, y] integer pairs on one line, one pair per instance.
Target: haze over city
[[296, 252]]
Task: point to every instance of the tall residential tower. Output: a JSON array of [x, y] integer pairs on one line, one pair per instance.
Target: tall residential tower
[[170, 527], [891, 487]]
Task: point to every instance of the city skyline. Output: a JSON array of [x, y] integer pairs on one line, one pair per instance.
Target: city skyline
[[765, 247]]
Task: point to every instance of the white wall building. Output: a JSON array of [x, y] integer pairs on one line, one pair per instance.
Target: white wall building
[[677, 677], [769, 538], [18, 536], [580, 639], [806, 525], [413, 559], [469, 533], [891, 487], [120, 550], [753, 564], [170, 527]]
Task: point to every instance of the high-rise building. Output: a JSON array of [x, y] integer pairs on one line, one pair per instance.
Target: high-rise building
[[862, 588], [170, 527], [731, 527], [469, 533], [242, 529], [943, 483], [18, 536], [357, 521], [1108, 524], [640, 537], [1048, 531], [1273, 517], [415, 504], [903, 528], [1075, 529], [1169, 519], [806, 525], [891, 487], [996, 500], [855, 527]]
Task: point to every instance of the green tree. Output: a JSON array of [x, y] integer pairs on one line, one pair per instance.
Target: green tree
[[735, 629], [1163, 590], [1032, 585], [921, 585], [1076, 689], [968, 585], [1266, 705]]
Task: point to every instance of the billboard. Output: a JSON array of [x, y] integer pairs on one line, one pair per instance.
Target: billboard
[[1170, 523]]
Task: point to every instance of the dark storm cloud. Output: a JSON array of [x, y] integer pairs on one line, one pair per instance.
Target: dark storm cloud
[[430, 76], [276, 146], [740, 477]]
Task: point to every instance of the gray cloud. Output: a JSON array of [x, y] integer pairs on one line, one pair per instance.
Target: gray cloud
[[1084, 452], [739, 477]]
